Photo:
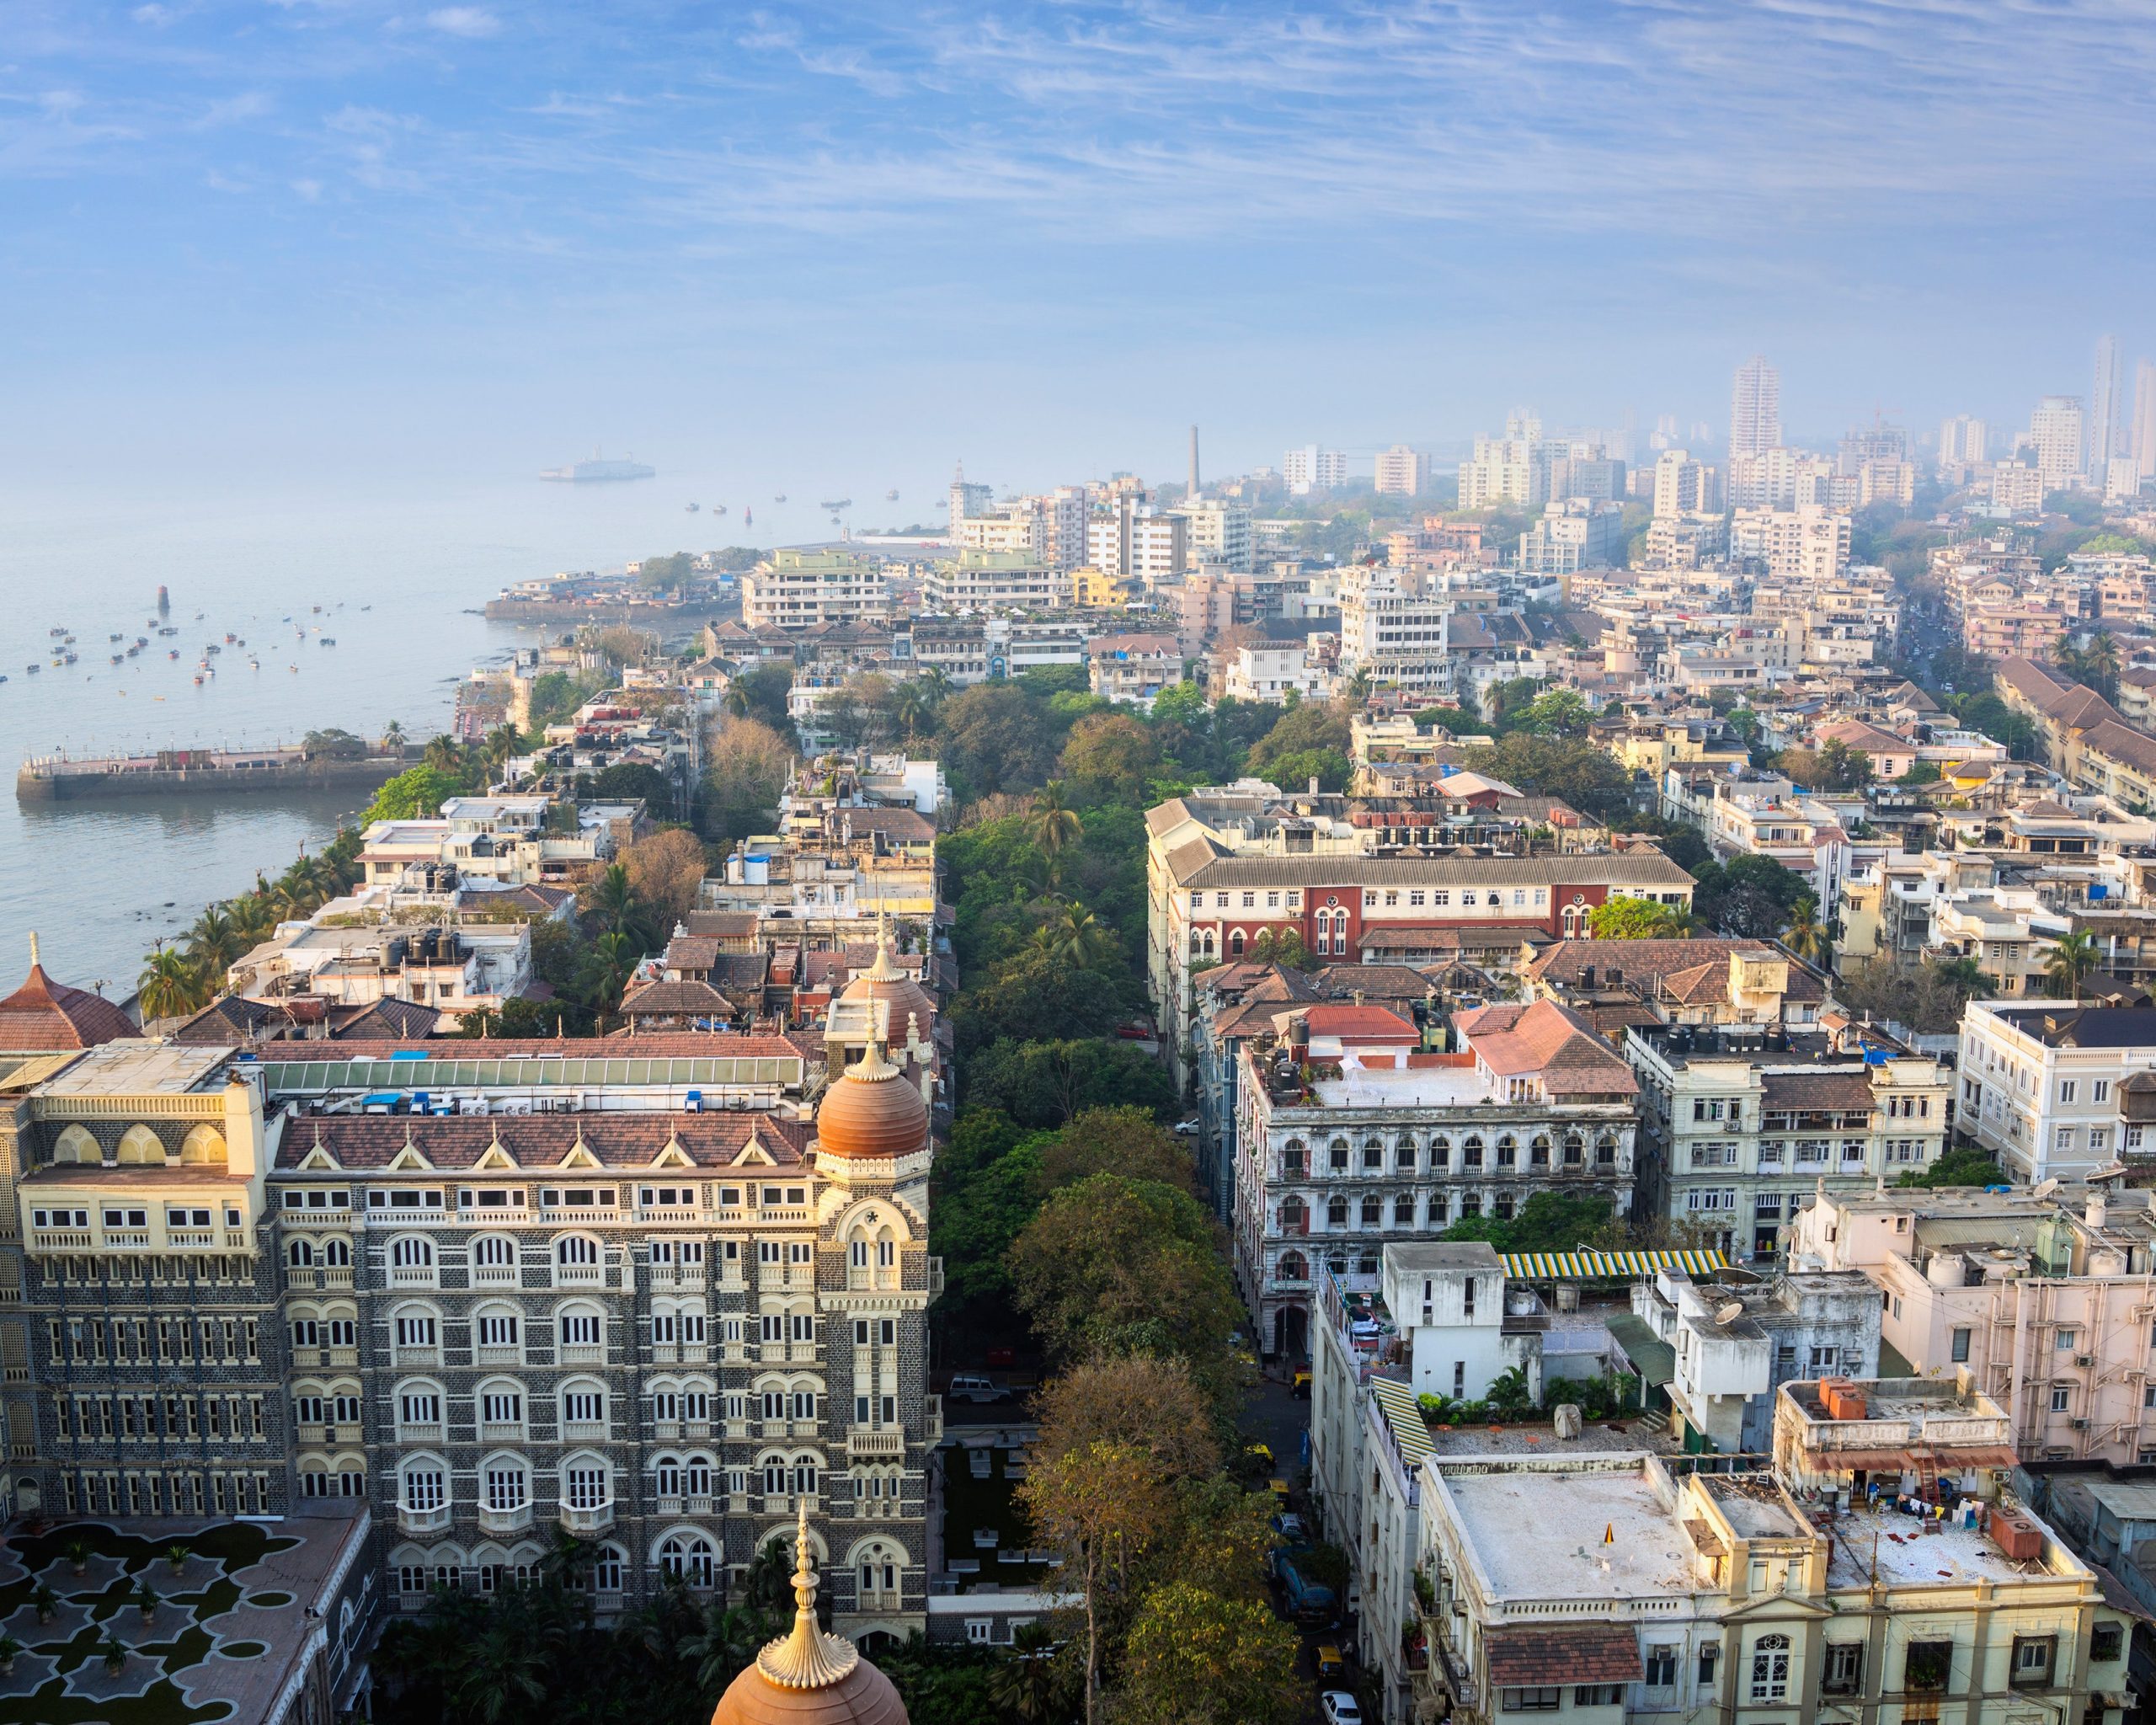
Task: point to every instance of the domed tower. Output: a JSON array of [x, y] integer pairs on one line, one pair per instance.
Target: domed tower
[[871, 1128], [810, 1677], [883, 1002]]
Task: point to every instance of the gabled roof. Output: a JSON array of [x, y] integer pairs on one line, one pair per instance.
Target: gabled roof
[[404, 1020], [677, 1000], [622, 1140], [1549, 1042]]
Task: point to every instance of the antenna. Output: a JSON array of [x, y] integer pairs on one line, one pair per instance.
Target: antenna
[[2044, 1188], [1729, 1311]]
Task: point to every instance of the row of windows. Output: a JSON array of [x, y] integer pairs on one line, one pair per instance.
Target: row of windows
[[1294, 1216], [153, 1494], [686, 1555], [237, 1419], [503, 1482], [161, 1341], [1340, 1158]]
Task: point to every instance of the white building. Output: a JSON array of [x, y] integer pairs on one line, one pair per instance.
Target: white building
[[1682, 486], [1805, 545], [993, 581], [1132, 669], [1402, 472], [1961, 441], [2045, 1088], [1573, 535], [1134, 543], [1269, 671], [1755, 408], [2056, 431], [1396, 625], [1219, 531], [1508, 469], [1311, 468], [797, 589]]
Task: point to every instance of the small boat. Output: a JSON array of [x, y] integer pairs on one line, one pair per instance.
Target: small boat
[[718, 509], [891, 495], [33, 669], [115, 638], [692, 509], [120, 658], [781, 498], [230, 636], [293, 669], [370, 607], [255, 665], [62, 630], [316, 609], [198, 679], [330, 640], [748, 518], [174, 654]]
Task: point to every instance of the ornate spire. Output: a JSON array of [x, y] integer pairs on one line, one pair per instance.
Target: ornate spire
[[807, 1659], [34, 959], [884, 970]]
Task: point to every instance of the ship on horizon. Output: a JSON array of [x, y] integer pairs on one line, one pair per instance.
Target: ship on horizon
[[598, 468]]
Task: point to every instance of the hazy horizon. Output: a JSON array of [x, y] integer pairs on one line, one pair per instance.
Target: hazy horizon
[[334, 240]]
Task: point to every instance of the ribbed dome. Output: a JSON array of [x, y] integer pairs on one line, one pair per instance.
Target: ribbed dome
[[871, 1111], [883, 983], [810, 1677]]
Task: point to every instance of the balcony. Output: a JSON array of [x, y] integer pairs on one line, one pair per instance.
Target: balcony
[[580, 1275], [414, 1276], [497, 1356], [419, 1522], [879, 1600], [865, 1443], [431, 1432], [515, 1520], [415, 1356], [584, 1523], [494, 1275], [584, 1353]]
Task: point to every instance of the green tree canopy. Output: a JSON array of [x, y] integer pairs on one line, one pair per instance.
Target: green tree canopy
[[1046, 1083], [416, 793]]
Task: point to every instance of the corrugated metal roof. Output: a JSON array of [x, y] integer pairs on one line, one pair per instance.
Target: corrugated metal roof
[[1405, 1416], [1594, 1266], [1655, 1358]]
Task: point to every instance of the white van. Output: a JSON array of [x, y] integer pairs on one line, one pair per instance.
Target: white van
[[976, 1389]]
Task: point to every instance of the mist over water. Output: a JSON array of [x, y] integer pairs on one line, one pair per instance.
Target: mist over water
[[400, 575]]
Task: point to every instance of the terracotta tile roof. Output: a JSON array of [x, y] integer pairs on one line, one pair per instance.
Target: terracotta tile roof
[[44, 1016], [1201, 864], [691, 951], [405, 1019], [723, 925], [1398, 982], [1533, 1659], [1549, 1042], [1849, 1091], [2122, 742], [536, 1142], [1354, 1023], [676, 1000]]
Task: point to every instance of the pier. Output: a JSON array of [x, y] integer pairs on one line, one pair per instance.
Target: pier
[[60, 779]]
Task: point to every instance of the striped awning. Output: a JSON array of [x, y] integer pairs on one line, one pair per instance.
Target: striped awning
[[1607, 1266], [1405, 1416]]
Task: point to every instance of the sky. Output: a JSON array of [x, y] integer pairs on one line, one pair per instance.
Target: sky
[[312, 236]]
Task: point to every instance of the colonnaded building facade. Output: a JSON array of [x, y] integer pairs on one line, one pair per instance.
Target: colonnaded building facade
[[659, 1292]]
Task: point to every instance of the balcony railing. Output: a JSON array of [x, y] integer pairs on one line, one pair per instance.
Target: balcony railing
[[882, 1441], [506, 1520], [583, 1523], [414, 1521]]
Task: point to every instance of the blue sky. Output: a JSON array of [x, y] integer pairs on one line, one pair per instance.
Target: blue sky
[[1042, 238]]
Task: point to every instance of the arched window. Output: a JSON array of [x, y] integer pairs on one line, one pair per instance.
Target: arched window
[[500, 1405], [415, 1330], [423, 1484], [1235, 945], [586, 1482], [1372, 1212], [139, 1147], [76, 1145], [1403, 1211], [1295, 1159], [1440, 1153], [583, 1329], [1373, 1154], [1770, 1668], [1293, 1267], [411, 1261], [1575, 1149], [204, 1145], [1471, 1152], [1337, 1154], [606, 1569], [687, 1557], [1336, 1213], [1405, 1153], [497, 1332], [337, 1253], [1208, 943], [1294, 1216], [418, 1404], [1605, 1151], [584, 1404], [666, 1477], [300, 1254], [696, 1475], [1538, 1153], [579, 1260], [806, 1471], [506, 1484], [493, 1261], [878, 1567], [1508, 1151]]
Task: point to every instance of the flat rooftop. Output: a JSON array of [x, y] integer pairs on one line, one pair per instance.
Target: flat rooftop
[[1613, 1437], [131, 1068], [1754, 1506], [1605, 1533], [1910, 1553], [1402, 1087]]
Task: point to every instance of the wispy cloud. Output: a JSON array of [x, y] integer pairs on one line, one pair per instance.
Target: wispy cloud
[[474, 22]]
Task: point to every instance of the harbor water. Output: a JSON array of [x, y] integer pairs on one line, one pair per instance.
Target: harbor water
[[399, 579]]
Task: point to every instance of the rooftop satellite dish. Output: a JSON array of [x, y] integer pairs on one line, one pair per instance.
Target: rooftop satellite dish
[[1729, 1311], [2043, 1188]]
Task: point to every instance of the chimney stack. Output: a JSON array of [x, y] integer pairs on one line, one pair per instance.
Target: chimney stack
[[1192, 497]]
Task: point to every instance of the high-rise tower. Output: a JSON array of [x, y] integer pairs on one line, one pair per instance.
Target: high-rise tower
[[1755, 408], [2103, 441], [1192, 494]]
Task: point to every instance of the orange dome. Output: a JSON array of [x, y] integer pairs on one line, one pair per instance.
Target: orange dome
[[872, 1110], [810, 1677], [885, 984]]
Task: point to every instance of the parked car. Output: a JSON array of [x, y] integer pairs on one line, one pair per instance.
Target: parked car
[[1289, 1526], [1341, 1708], [968, 1388], [1302, 1380], [1331, 1666], [1185, 1128]]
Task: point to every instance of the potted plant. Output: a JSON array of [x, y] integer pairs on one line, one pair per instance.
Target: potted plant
[[113, 1651], [177, 1557], [146, 1598], [78, 1553], [45, 1602], [9, 1646]]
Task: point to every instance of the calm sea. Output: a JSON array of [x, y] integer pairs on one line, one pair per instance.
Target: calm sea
[[398, 579]]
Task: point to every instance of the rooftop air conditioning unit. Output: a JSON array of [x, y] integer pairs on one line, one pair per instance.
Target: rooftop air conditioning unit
[[2081, 1425], [2084, 1360]]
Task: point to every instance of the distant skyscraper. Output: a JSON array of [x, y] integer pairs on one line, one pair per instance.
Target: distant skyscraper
[[2056, 430], [1402, 470], [1310, 468], [2104, 408], [2144, 419], [1961, 440], [1755, 408], [1192, 493], [967, 500]]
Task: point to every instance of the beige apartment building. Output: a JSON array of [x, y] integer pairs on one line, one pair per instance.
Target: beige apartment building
[[796, 588], [2045, 1304]]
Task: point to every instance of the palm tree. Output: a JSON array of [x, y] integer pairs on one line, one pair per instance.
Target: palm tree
[[1805, 936], [1055, 825], [914, 703], [1082, 938], [1358, 689], [213, 942], [724, 1643], [445, 754], [605, 971], [2099, 663], [393, 737], [2073, 957], [169, 986], [505, 1670], [618, 908], [1028, 1686]]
